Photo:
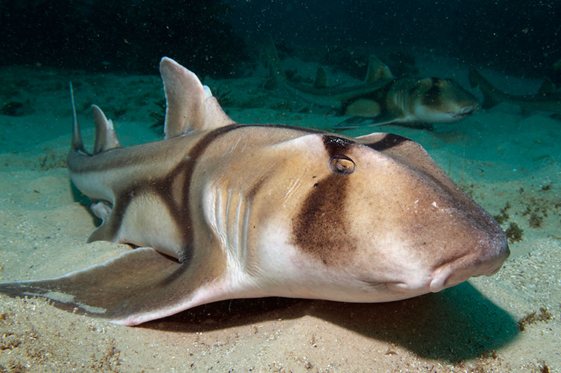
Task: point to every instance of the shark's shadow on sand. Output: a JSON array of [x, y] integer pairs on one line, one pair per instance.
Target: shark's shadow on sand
[[454, 325]]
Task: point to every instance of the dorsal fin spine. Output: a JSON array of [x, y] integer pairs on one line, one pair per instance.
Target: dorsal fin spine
[[77, 143]]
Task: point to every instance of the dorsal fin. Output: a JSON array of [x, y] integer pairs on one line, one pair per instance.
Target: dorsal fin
[[105, 136], [190, 107], [77, 143], [377, 70], [321, 78]]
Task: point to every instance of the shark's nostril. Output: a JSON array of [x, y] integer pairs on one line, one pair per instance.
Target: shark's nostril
[[439, 278], [458, 271]]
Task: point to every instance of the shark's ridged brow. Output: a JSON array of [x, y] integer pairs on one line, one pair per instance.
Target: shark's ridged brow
[[336, 145]]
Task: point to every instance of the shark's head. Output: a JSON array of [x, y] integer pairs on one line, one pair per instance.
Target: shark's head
[[369, 219], [437, 100]]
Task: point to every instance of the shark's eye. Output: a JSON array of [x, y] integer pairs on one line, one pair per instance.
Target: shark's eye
[[342, 164]]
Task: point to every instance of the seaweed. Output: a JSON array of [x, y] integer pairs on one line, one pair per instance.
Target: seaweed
[[503, 216], [109, 361], [51, 159], [533, 317], [535, 220], [537, 209], [514, 233]]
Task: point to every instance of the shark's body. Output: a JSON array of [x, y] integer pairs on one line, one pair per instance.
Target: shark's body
[[219, 210], [409, 100], [547, 102], [383, 99]]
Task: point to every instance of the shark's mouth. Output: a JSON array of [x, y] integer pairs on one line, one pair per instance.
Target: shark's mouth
[[464, 112], [468, 110], [450, 112], [459, 115]]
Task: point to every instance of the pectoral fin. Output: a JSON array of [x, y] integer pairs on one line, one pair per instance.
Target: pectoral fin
[[138, 286]]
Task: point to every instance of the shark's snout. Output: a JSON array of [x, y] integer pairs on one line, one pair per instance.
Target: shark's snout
[[484, 262]]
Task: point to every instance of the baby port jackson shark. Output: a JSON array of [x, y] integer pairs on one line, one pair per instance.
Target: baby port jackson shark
[[220, 210], [382, 99]]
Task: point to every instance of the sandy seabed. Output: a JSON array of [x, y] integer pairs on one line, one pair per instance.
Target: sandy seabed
[[510, 163]]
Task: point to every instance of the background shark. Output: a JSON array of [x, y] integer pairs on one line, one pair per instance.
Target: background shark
[[382, 99]]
